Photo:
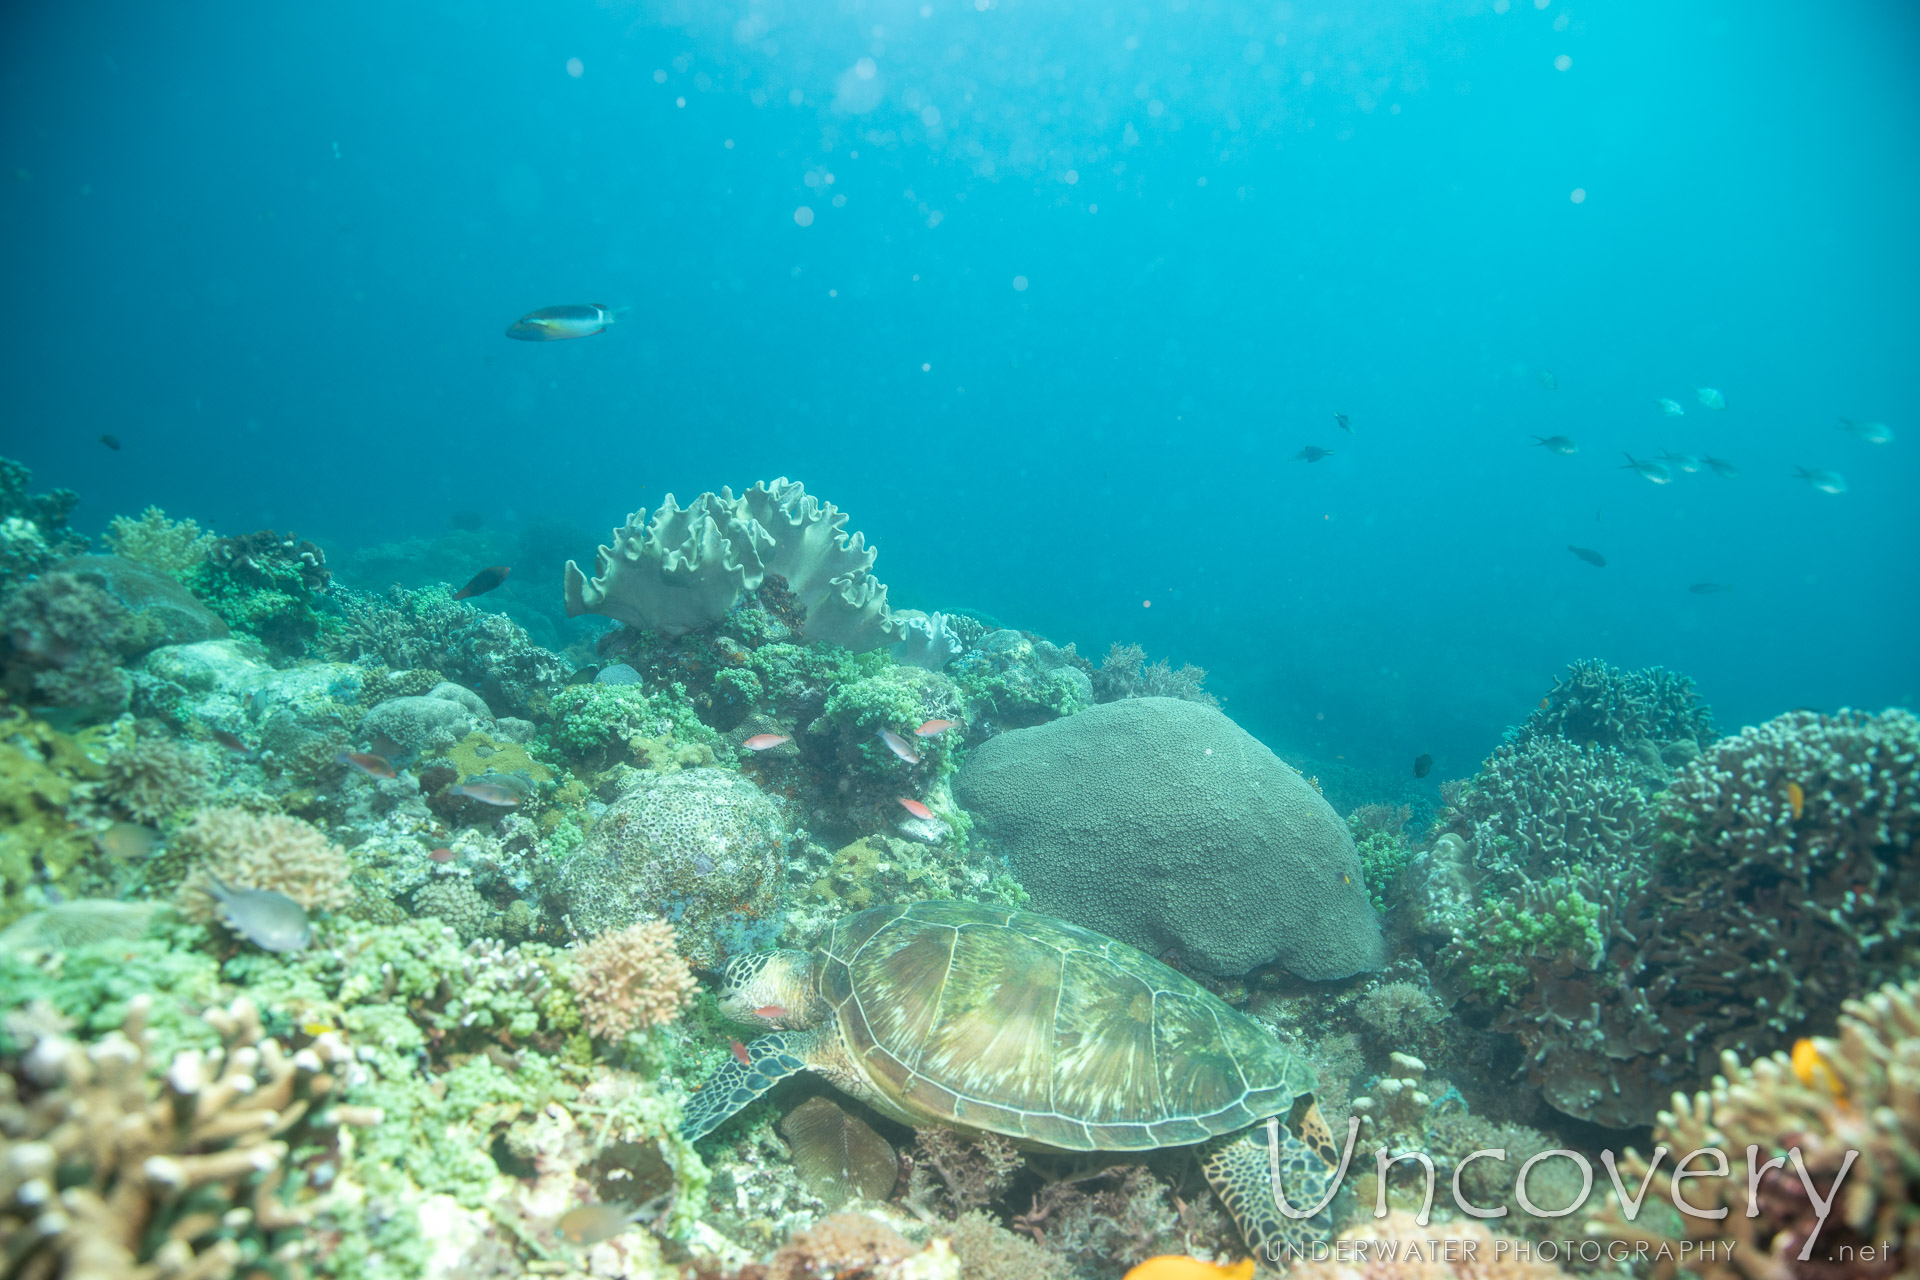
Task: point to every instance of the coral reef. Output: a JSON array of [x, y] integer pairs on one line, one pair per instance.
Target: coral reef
[[265, 586], [152, 777], [705, 848], [62, 645], [1010, 680], [1164, 824], [472, 647], [259, 851], [1838, 1110], [1549, 807], [43, 774], [1124, 673], [1755, 918], [685, 568], [455, 901], [175, 547], [630, 979], [1653, 717], [33, 527], [928, 642]]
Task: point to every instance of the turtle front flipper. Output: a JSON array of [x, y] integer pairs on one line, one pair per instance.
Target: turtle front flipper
[[1240, 1167], [770, 1059]]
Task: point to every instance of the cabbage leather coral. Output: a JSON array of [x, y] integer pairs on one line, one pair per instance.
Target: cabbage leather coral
[[260, 851], [1855, 1092], [630, 979], [114, 1167], [687, 566]]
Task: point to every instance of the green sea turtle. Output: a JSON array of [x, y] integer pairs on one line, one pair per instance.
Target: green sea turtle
[[989, 1020]]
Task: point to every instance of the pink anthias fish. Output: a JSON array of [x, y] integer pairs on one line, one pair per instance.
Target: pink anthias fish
[[366, 762], [915, 808], [767, 741], [933, 728], [899, 746], [488, 793]]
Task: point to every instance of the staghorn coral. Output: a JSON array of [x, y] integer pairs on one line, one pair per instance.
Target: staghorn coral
[[171, 546], [260, 851], [1124, 673], [152, 777], [114, 1169], [1548, 806], [1652, 716], [1856, 1092], [629, 979], [1626, 983], [685, 568]]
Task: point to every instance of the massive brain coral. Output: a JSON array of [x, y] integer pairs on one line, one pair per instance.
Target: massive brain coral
[[1168, 826], [704, 848], [687, 566]]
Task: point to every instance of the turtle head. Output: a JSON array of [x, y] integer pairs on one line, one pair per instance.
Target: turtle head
[[769, 981]]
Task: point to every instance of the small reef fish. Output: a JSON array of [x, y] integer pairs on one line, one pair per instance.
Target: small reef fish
[[771, 1012], [1557, 444], [592, 1223], [366, 762], [1871, 432], [1340, 420], [113, 442], [1655, 472], [231, 741], [555, 324], [767, 741], [441, 855], [1422, 765], [1671, 408], [1721, 467], [1709, 588], [1824, 481], [487, 793], [584, 675], [1548, 381], [899, 746], [269, 920], [318, 1028], [933, 728], [1682, 462], [127, 841], [740, 1053], [1170, 1266], [915, 808], [1810, 1065], [1588, 554], [484, 581], [1796, 800], [1545, 703], [1709, 398], [1312, 453]]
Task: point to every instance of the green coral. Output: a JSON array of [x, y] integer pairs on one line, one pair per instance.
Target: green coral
[[1383, 856], [1500, 949], [590, 722], [787, 668], [897, 698], [175, 547]]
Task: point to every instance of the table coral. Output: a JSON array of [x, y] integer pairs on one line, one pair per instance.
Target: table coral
[[628, 979], [687, 566]]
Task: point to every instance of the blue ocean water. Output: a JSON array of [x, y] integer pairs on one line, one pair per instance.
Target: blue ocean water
[[1047, 297]]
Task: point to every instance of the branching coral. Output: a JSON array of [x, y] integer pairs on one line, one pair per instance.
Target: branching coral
[[1760, 913], [1124, 673], [151, 777], [110, 1170], [1847, 1103], [475, 648], [688, 566], [171, 546], [256, 851], [266, 586], [1652, 716], [629, 979], [1549, 806]]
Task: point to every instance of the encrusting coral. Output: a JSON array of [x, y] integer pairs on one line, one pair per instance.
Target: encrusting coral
[[113, 1168], [629, 979], [688, 566], [1845, 1109], [260, 851]]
